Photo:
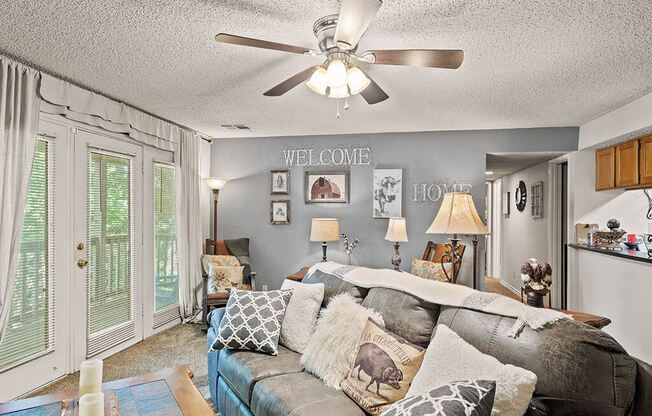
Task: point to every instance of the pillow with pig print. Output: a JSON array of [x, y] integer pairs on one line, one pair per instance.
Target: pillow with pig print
[[383, 369]]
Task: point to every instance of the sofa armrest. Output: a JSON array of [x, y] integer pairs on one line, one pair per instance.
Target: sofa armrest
[[643, 395]]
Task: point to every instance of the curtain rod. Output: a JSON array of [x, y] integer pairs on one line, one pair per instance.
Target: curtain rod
[[203, 136]]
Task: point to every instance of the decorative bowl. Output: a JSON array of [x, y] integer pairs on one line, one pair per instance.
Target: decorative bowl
[[609, 239]]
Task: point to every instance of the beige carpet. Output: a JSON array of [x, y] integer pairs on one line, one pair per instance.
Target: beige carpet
[[183, 344], [493, 285]]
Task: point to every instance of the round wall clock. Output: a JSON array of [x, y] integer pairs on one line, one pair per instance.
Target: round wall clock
[[520, 196]]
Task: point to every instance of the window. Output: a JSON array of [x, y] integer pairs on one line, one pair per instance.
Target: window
[[29, 329], [166, 276]]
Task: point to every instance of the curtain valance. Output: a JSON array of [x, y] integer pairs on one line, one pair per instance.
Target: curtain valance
[[75, 103]]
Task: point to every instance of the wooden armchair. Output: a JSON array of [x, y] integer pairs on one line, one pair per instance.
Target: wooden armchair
[[442, 253], [240, 249]]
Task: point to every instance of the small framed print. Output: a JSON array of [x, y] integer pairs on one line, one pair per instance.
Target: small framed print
[[280, 182], [326, 187], [280, 212]]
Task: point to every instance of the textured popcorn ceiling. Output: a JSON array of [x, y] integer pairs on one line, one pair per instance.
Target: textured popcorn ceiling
[[528, 63]]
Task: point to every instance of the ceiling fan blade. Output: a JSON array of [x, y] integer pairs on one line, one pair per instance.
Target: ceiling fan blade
[[291, 82], [433, 58], [355, 16], [373, 94], [259, 43]]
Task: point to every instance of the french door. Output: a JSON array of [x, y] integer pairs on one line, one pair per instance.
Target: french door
[[108, 244]]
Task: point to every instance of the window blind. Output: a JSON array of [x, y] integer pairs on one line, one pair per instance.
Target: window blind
[[166, 276], [30, 327], [110, 285]]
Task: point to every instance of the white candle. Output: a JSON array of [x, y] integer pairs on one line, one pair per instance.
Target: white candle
[[90, 377], [91, 404]]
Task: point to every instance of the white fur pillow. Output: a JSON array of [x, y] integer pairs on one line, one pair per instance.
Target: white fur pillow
[[301, 314], [450, 358], [334, 344]]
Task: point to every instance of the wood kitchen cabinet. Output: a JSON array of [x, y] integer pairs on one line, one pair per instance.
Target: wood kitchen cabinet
[[627, 164], [645, 156], [605, 165]]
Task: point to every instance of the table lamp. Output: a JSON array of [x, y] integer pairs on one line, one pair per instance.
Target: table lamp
[[397, 233], [215, 184], [457, 215], [324, 230]]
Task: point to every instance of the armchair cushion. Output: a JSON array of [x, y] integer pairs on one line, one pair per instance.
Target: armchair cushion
[[222, 279], [209, 260]]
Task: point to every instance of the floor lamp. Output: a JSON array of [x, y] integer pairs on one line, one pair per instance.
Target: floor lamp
[[457, 215], [215, 184]]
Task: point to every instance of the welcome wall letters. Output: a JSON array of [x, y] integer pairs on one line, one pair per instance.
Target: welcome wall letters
[[336, 156]]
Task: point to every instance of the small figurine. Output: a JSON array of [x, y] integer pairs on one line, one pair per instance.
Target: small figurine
[[613, 224], [536, 280]]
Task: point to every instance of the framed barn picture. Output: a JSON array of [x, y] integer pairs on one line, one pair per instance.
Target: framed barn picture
[[280, 182], [279, 212], [326, 187], [387, 193]]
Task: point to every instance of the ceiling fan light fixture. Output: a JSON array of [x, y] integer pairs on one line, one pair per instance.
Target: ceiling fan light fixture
[[318, 82], [357, 80], [336, 74], [339, 92]]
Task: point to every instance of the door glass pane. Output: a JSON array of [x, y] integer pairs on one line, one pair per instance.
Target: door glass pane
[[166, 277], [110, 253], [29, 328]]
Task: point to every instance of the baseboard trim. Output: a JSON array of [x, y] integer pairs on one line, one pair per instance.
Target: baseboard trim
[[510, 287]]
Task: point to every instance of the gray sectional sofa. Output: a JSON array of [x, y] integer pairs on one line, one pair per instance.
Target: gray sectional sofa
[[581, 370]]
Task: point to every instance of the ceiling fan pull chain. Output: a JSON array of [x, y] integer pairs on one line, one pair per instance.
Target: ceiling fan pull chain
[[337, 114], [346, 103]]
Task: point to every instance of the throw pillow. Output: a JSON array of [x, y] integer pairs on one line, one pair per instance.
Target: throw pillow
[[450, 358], [301, 314], [431, 270], [218, 260], [383, 369], [459, 398], [252, 321], [334, 344], [221, 279]]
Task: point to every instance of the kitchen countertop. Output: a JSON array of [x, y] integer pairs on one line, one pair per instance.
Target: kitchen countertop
[[622, 253]]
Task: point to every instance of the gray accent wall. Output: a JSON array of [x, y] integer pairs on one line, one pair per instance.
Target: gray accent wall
[[425, 157]]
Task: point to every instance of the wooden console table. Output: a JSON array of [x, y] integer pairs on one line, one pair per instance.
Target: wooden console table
[[593, 320], [178, 379]]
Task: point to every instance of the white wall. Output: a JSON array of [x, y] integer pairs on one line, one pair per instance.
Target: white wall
[[524, 237], [605, 285], [629, 121]]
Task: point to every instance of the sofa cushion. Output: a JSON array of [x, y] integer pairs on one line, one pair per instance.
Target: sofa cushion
[[243, 369], [416, 319], [333, 286], [574, 362], [300, 394]]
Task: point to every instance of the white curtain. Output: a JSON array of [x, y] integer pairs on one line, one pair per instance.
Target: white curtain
[[75, 103], [19, 113], [189, 236]]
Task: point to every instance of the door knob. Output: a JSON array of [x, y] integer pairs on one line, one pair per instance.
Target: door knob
[[81, 263]]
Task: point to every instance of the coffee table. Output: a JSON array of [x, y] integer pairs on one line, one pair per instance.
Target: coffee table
[[167, 392]]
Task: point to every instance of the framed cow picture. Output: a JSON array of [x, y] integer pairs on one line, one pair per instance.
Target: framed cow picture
[[327, 187], [387, 193]]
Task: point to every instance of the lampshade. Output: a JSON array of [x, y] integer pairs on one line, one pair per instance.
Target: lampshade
[[318, 81], [357, 80], [216, 183], [457, 215], [338, 92], [325, 229], [336, 74], [396, 230]]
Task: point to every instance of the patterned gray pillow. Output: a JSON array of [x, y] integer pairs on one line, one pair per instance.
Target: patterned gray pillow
[[252, 321], [459, 398]]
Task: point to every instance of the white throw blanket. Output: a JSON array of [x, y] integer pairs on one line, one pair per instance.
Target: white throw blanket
[[443, 293]]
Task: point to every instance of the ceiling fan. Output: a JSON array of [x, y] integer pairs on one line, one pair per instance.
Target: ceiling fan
[[343, 72]]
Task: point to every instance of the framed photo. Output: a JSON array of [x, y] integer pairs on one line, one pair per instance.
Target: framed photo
[[279, 212], [536, 200], [387, 193], [327, 187], [506, 202], [280, 182]]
